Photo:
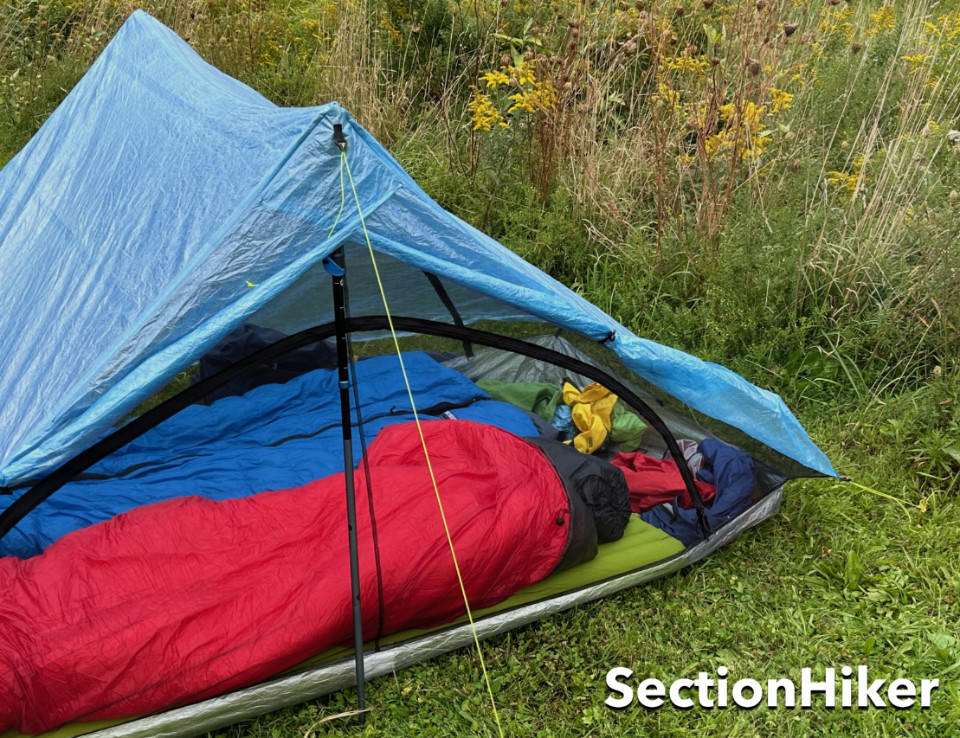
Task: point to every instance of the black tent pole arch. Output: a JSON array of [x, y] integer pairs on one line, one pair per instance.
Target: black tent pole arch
[[43, 488]]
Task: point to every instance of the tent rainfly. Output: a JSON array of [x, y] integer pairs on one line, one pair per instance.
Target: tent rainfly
[[162, 210]]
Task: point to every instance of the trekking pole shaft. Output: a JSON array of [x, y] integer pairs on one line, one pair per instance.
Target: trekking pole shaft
[[343, 376]]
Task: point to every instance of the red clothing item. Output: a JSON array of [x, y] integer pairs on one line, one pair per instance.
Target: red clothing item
[[652, 481], [189, 598]]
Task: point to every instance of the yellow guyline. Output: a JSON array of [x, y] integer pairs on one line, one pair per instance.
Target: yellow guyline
[[345, 165]]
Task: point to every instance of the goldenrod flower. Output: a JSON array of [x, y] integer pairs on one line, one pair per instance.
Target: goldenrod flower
[[881, 20], [495, 79], [916, 61], [779, 100], [694, 65], [667, 96], [483, 113], [848, 183]]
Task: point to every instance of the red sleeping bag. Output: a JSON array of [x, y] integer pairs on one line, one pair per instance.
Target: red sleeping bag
[[185, 599]]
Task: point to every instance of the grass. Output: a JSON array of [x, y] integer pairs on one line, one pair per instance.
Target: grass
[[770, 185]]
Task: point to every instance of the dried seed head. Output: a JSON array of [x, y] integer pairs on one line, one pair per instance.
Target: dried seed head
[[630, 48], [692, 50], [679, 11], [715, 60], [624, 6], [789, 29], [505, 60], [856, 48], [761, 4], [833, 2], [535, 31], [707, 4], [753, 66]]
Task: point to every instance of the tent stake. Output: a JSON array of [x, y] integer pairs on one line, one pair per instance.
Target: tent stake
[[335, 267]]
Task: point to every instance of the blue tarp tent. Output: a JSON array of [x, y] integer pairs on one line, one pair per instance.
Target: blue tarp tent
[[164, 203]]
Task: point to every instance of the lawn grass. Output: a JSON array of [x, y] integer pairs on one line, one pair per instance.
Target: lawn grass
[[810, 242]]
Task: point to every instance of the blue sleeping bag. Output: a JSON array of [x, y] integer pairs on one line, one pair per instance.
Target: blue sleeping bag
[[273, 437]]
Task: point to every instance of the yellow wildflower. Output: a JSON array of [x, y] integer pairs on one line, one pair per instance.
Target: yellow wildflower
[[494, 79], [667, 96], [758, 145], [524, 73], [848, 183], [716, 144], [743, 130], [951, 24], [695, 65], [916, 61], [837, 22], [881, 20], [483, 113], [780, 100], [521, 102], [539, 96], [750, 115]]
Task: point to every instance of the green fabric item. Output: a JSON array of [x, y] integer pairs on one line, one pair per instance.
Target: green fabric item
[[543, 398], [627, 428], [538, 397]]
